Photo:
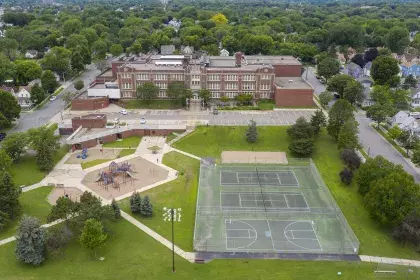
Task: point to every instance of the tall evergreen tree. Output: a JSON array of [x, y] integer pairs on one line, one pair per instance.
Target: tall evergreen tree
[[135, 202], [9, 196], [340, 112], [348, 136], [116, 208], [318, 120], [4, 219], [146, 208], [30, 241], [252, 132]]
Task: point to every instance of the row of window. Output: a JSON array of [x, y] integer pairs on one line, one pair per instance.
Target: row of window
[[209, 86], [234, 77], [180, 77], [214, 94], [177, 77]]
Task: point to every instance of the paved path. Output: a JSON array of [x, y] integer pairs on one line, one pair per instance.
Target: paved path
[[187, 154], [389, 260], [186, 255]]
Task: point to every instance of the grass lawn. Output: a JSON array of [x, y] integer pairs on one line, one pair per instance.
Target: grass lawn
[[25, 172], [180, 193], [375, 240], [152, 104], [123, 153], [129, 142], [33, 203], [266, 104], [131, 254], [170, 137]]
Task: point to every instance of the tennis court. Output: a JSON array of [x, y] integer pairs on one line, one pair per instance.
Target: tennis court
[[268, 208], [267, 178]]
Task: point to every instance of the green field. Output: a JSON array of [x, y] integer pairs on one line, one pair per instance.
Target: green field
[[33, 203], [170, 137], [131, 254], [129, 142], [374, 239], [152, 104], [179, 193], [25, 172]]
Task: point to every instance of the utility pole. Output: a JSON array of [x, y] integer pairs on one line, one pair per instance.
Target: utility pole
[[172, 215], [173, 243]]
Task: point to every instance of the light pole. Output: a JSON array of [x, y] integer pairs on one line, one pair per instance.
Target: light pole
[[172, 215]]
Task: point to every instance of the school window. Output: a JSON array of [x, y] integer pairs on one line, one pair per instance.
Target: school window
[[231, 77], [125, 75], [195, 83], [265, 95], [248, 86], [127, 94], [265, 77], [231, 86], [230, 94], [177, 77], [214, 86], [215, 94], [249, 77], [195, 77], [142, 77], [126, 85], [161, 77], [214, 78], [265, 87], [162, 94], [162, 85]]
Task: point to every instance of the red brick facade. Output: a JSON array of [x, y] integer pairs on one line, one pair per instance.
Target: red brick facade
[[90, 104], [89, 121], [288, 70], [293, 97]]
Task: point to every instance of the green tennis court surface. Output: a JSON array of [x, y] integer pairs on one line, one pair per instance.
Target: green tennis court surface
[[268, 208]]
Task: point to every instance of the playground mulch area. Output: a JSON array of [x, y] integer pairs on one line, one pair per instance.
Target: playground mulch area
[[72, 193], [94, 154], [143, 173]]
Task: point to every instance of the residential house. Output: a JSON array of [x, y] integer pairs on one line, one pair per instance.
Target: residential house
[[31, 54], [406, 122], [409, 64], [354, 70], [23, 96], [367, 84], [415, 100], [224, 52]]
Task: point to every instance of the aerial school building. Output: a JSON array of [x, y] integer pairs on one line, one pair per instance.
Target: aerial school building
[[264, 77]]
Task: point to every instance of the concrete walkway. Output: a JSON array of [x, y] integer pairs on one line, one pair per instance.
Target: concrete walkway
[[186, 255], [390, 260], [187, 154]]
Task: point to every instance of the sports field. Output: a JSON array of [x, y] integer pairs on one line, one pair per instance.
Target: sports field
[[268, 208]]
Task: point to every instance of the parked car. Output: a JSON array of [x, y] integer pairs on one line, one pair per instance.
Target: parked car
[[2, 136], [123, 112], [322, 80], [143, 120], [116, 120], [215, 112], [52, 98]]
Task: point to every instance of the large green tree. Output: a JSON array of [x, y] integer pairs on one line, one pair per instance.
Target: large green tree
[[57, 60], [348, 136], [92, 235], [9, 196], [45, 143], [328, 67], [385, 71], [340, 112], [26, 71], [177, 91], [37, 94], [378, 112], [251, 134], [9, 106], [302, 129], [318, 121], [49, 81], [147, 91], [15, 145], [338, 84], [353, 92], [397, 39], [30, 241]]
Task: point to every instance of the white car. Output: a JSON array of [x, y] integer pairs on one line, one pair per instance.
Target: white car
[[116, 120], [143, 120], [52, 98], [123, 112]]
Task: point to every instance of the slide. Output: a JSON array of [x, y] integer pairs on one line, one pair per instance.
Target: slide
[[98, 179], [131, 175]]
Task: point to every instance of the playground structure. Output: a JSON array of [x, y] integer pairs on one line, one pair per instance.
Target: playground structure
[[108, 177], [84, 154]]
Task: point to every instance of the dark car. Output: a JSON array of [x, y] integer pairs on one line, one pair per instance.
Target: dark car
[[2, 136], [215, 112]]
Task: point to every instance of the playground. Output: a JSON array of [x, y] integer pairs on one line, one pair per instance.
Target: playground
[[93, 154], [117, 179], [59, 191]]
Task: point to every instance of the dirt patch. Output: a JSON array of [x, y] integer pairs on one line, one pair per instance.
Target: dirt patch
[[94, 154], [72, 193], [254, 157], [142, 174]]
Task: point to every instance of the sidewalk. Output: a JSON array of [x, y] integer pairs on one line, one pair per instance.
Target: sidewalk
[[395, 261]]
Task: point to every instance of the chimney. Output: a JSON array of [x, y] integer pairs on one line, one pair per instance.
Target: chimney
[[238, 59]]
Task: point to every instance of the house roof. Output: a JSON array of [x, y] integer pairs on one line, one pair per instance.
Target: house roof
[[416, 95], [33, 52]]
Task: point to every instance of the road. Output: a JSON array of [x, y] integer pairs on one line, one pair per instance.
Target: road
[[370, 140], [51, 108]]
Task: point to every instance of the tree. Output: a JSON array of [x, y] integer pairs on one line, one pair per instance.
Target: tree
[[26, 71], [408, 140], [79, 84], [30, 241], [328, 67], [5, 161], [302, 147], [416, 157], [9, 196], [359, 59], [339, 83], [49, 81], [135, 202], [4, 219], [116, 209], [64, 209], [384, 71], [99, 49], [325, 98], [72, 26], [394, 132], [392, 198], [371, 54], [340, 112], [147, 91], [410, 82], [397, 39], [401, 99], [381, 95], [378, 112], [76, 61], [205, 95], [353, 92], [92, 235], [57, 60], [302, 129], [251, 134], [9, 106], [146, 208], [350, 159], [90, 207], [67, 97], [102, 65], [408, 231], [76, 40], [57, 238], [45, 143], [9, 47], [318, 120], [372, 170], [6, 68], [37, 94], [116, 49], [384, 52], [348, 136], [346, 176], [219, 19], [177, 91]]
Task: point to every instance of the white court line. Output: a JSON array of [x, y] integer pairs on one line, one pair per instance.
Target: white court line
[[319, 243], [303, 238], [291, 231], [285, 199], [243, 247], [278, 177], [240, 201], [271, 235]]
